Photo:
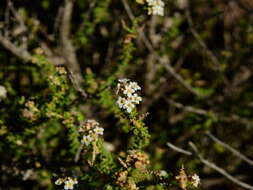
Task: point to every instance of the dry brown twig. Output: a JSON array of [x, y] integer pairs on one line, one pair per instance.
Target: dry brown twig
[[188, 153], [141, 33], [17, 51], [179, 78], [190, 108], [16, 15], [209, 164], [231, 149], [202, 44], [215, 115], [67, 46]]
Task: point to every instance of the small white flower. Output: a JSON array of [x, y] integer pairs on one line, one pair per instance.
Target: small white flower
[[156, 7], [159, 3], [195, 180], [150, 2], [150, 11], [134, 86], [163, 173], [123, 80], [98, 130], [128, 98], [92, 122], [128, 91], [121, 102], [156, 10], [69, 184], [59, 181], [129, 106], [135, 99], [3, 92], [87, 139]]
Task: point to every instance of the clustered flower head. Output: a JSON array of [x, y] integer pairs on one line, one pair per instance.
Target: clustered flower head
[[155, 7], [124, 181], [61, 70], [195, 180], [91, 131], [68, 182], [121, 178], [139, 159], [128, 97], [30, 111]]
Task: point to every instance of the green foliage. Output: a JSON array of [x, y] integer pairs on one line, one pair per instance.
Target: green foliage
[[44, 114]]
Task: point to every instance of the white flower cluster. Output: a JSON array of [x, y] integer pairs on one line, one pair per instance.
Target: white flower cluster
[[155, 7], [68, 182], [128, 98], [195, 180], [3, 92], [91, 131]]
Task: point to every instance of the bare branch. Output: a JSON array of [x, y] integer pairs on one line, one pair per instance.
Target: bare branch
[[201, 42], [23, 54], [17, 15], [57, 21], [231, 149], [68, 49], [209, 164], [188, 153], [178, 77], [76, 85], [189, 108], [128, 9], [17, 51], [215, 115], [218, 169]]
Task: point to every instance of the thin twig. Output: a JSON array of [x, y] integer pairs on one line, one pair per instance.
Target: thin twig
[[218, 169], [17, 15], [140, 30], [190, 108], [128, 9], [78, 153], [200, 41], [57, 21], [188, 153], [178, 77], [17, 51], [209, 164], [22, 53], [75, 84], [214, 115], [231, 149], [67, 47]]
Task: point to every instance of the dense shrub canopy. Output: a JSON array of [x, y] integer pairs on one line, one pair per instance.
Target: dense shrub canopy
[[126, 94]]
